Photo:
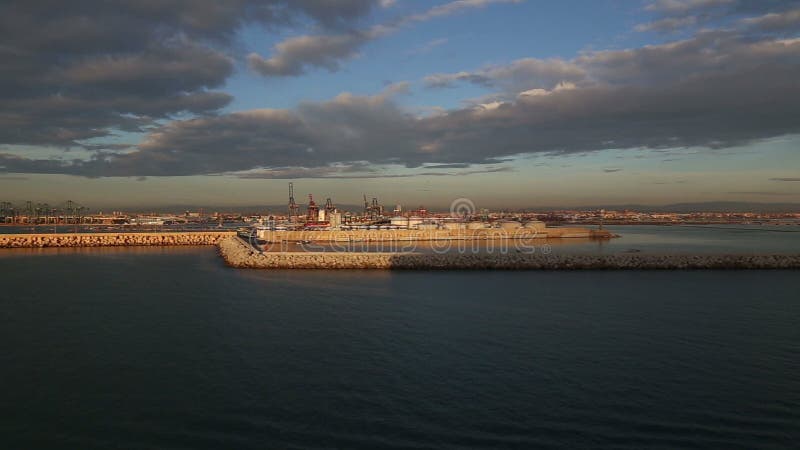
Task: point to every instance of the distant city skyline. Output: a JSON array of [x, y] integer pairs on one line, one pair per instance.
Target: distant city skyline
[[509, 103]]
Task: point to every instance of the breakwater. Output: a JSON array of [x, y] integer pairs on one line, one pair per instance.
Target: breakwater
[[112, 239], [432, 235], [237, 253]]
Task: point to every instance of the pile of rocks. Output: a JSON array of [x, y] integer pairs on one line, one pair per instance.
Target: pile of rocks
[[239, 254], [111, 239]]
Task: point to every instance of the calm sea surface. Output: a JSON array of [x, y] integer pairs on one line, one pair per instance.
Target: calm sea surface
[[166, 348]]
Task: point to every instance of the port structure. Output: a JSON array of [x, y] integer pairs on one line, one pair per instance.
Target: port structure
[[317, 218], [7, 211], [293, 208], [372, 211], [68, 212], [329, 208], [312, 214]]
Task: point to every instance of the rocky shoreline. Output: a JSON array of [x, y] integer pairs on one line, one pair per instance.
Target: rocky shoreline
[[112, 239], [237, 253]]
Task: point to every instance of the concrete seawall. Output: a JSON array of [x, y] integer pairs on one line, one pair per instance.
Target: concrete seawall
[[238, 254], [112, 239]]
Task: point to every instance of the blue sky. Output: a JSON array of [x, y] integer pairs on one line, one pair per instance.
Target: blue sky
[[495, 34], [511, 103]]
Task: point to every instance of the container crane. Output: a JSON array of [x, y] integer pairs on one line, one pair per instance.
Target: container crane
[[293, 208]]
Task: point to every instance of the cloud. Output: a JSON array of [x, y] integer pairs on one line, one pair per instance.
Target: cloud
[[612, 170], [428, 46], [451, 8], [74, 71], [787, 20], [292, 56], [334, 172], [672, 15], [785, 179], [719, 88], [295, 55], [685, 6], [707, 53], [667, 24], [522, 74], [715, 109]]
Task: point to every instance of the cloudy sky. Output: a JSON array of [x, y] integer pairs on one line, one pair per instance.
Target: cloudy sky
[[511, 103]]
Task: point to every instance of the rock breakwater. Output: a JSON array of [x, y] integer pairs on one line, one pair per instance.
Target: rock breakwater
[[237, 253], [112, 239], [434, 235]]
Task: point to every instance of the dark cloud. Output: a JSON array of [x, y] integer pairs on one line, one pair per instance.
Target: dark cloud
[[78, 70], [294, 55], [785, 179], [215, 144], [612, 170], [345, 129], [707, 53], [713, 110]]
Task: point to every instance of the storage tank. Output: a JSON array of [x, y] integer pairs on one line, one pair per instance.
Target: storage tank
[[400, 221], [406, 222]]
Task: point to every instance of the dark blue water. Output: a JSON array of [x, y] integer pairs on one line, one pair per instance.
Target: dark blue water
[[168, 349]]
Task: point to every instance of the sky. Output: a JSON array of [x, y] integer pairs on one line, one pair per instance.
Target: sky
[[509, 103]]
